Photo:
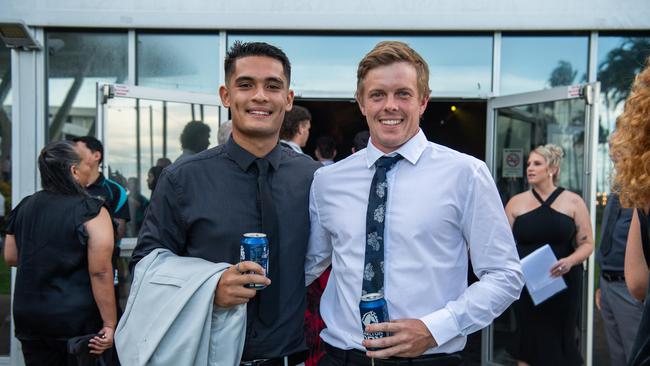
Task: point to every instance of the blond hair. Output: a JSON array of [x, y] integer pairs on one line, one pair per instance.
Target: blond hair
[[553, 155], [389, 52], [630, 144]]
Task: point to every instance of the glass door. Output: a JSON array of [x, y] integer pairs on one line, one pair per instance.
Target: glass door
[[139, 126], [565, 116]]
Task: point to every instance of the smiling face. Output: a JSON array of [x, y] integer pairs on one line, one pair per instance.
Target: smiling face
[[538, 170], [258, 95], [392, 105]]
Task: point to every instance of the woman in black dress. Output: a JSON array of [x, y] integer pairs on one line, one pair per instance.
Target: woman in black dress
[[547, 214], [61, 241], [630, 151]]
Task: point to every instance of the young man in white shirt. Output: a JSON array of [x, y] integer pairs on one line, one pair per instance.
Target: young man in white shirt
[[441, 207]]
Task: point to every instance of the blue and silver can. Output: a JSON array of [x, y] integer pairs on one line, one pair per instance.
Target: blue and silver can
[[255, 248], [373, 309]]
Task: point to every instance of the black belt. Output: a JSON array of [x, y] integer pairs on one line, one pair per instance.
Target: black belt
[[292, 360], [355, 357], [613, 276]]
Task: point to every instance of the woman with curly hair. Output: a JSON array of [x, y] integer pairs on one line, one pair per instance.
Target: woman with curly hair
[[630, 151], [548, 214]]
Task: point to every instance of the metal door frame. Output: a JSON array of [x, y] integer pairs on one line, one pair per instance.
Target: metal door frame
[[590, 92]]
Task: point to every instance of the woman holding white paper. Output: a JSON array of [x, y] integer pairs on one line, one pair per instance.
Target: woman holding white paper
[[548, 214]]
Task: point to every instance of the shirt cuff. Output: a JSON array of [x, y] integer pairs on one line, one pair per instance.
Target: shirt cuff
[[442, 325]]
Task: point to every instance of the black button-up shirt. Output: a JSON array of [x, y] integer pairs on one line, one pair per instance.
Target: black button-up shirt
[[203, 205]]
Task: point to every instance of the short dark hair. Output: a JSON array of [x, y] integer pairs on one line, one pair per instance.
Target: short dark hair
[[54, 163], [193, 136], [241, 49], [360, 140], [92, 144], [292, 120], [326, 146]]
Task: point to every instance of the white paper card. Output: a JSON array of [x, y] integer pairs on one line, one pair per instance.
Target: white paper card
[[537, 274]]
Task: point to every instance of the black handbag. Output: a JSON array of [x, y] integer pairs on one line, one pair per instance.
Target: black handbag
[[78, 347]]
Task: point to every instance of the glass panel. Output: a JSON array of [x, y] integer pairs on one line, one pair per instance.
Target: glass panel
[[619, 60], [5, 190], [458, 64], [180, 61], [519, 130], [528, 126], [540, 62], [76, 62], [138, 133]]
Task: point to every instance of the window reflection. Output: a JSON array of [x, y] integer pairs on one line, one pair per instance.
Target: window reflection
[[76, 62], [328, 64], [532, 63], [5, 190], [179, 61], [619, 60], [141, 132], [526, 127]]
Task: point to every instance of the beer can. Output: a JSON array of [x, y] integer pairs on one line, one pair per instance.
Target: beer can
[[254, 247], [373, 309]]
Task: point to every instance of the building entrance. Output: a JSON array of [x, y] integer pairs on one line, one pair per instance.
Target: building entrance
[[459, 125]]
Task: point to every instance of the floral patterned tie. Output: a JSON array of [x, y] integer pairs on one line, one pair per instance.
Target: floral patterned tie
[[373, 269]]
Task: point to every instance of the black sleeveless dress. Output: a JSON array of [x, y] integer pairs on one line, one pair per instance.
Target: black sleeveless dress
[[546, 333], [53, 297]]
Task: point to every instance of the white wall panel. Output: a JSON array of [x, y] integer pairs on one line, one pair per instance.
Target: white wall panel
[[335, 14]]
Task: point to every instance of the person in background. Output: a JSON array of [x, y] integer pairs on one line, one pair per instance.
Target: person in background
[[163, 162], [225, 129], [115, 196], [137, 206], [386, 232], [194, 138], [620, 311], [630, 151], [325, 150], [64, 278], [152, 177], [548, 214], [360, 141], [295, 128]]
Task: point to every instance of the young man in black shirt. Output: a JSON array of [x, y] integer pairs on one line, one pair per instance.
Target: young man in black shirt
[[205, 203]]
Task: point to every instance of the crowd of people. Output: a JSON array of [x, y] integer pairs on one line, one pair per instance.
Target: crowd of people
[[398, 220]]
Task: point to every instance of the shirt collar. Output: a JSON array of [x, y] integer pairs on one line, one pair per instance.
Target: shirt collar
[[244, 159], [293, 146], [99, 181], [411, 150]]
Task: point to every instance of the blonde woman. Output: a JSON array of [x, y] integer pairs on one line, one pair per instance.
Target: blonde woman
[[548, 214], [630, 150]]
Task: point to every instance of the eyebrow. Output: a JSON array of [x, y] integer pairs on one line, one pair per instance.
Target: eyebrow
[[250, 78]]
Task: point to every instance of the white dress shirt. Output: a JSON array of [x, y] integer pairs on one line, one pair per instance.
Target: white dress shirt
[[295, 147], [442, 206]]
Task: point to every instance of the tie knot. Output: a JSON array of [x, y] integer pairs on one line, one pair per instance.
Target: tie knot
[[388, 162], [262, 166]]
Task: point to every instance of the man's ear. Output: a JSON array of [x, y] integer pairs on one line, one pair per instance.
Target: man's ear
[[225, 96], [289, 105]]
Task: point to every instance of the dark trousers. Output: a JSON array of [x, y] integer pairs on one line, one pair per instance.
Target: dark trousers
[[338, 357], [46, 352]]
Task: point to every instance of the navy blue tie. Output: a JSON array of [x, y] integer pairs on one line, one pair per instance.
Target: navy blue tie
[[373, 268]]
